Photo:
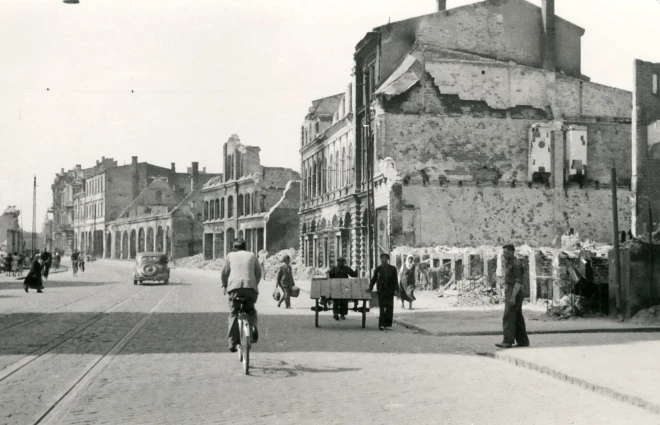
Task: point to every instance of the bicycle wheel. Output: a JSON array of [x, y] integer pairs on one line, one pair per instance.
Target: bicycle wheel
[[246, 335], [240, 332]]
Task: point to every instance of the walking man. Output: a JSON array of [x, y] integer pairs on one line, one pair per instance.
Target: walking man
[[285, 282], [513, 321], [74, 262], [47, 259], [386, 281], [340, 271], [241, 275]]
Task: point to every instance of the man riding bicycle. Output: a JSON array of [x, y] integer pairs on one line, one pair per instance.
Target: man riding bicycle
[[241, 275]]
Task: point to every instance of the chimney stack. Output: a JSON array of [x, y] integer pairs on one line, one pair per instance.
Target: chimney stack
[[442, 5], [549, 35], [173, 167], [194, 181]]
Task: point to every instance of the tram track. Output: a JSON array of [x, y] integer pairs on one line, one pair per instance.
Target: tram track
[[56, 412]]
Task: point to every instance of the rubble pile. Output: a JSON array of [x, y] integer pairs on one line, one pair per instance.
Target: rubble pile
[[648, 316], [300, 272], [198, 262], [472, 293]]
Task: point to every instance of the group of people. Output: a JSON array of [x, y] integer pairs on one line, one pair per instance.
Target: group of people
[[14, 264], [39, 271], [77, 262], [242, 273]]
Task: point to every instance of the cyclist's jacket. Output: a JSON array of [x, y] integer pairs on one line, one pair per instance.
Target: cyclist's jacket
[[241, 270]]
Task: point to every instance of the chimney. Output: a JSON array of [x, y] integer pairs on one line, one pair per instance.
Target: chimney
[[442, 5], [204, 170], [78, 167], [549, 35], [194, 181], [135, 177], [173, 167]]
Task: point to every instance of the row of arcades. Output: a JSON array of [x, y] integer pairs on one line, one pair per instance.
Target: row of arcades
[[125, 244]]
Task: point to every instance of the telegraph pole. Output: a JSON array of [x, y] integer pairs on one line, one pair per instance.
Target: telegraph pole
[[34, 214]]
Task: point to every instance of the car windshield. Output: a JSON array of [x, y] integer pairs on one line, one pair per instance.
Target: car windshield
[[150, 259]]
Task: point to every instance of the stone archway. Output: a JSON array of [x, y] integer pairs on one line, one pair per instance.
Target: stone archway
[[125, 253], [140, 241], [159, 239], [108, 245], [118, 242], [150, 239], [133, 244]]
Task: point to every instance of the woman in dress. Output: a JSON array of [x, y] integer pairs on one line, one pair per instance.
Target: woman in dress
[[14, 264], [408, 282], [33, 278]]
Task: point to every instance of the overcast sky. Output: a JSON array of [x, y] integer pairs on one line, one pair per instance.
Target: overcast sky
[[202, 70]]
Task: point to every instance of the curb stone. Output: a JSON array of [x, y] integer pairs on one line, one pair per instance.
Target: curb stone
[[597, 388]]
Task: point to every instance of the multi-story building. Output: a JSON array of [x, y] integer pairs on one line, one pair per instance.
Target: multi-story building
[[256, 203], [327, 152], [475, 126], [10, 230]]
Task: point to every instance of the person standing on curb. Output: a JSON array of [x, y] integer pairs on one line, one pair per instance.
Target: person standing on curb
[[340, 271], [285, 282], [74, 262], [387, 283], [513, 320]]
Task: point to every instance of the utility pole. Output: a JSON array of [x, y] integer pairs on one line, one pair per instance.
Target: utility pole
[[34, 214], [615, 229]]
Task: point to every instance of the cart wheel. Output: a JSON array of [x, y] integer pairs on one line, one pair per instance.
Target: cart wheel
[[135, 282], [364, 314], [317, 313]]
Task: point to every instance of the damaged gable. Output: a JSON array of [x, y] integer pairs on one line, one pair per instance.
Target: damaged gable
[[406, 75]]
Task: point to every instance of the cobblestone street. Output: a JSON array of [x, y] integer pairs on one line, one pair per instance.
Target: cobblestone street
[[98, 350]]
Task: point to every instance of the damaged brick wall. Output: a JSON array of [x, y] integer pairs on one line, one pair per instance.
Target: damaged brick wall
[[474, 216], [283, 226]]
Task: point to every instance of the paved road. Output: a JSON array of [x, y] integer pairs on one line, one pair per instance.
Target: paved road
[[97, 350]]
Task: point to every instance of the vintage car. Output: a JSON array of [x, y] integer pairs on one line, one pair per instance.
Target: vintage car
[[151, 266]]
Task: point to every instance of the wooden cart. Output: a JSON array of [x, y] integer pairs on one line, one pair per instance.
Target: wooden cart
[[323, 290]]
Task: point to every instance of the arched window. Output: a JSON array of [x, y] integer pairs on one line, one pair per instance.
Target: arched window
[[337, 172], [247, 204], [349, 165], [319, 173], [240, 206], [325, 175], [211, 210], [331, 180], [217, 208], [230, 206], [206, 210], [314, 180], [343, 167]]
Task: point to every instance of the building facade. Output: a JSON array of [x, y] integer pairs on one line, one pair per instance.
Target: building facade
[[256, 203], [464, 136], [327, 207], [10, 230]]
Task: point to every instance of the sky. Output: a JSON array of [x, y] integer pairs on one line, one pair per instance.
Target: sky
[[172, 80]]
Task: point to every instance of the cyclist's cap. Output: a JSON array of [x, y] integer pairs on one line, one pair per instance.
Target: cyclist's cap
[[239, 244], [384, 255]]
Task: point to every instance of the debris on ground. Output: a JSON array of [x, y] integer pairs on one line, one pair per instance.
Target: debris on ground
[[472, 293], [198, 262], [647, 316]]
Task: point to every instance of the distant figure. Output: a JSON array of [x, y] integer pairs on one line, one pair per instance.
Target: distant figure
[[81, 262], [340, 271], [47, 262], [285, 282], [74, 262], [56, 260], [21, 264], [263, 254], [8, 261], [33, 278], [425, 177], [408, 282], [513, 321], [14, 264]]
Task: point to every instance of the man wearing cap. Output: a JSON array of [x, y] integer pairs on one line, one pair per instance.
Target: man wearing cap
[[513, 321], [241, 275], [340, 271], [386, 280], [285, 281]]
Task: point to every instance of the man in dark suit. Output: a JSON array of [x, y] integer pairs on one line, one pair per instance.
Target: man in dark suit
[[387, 282], [513, 320]]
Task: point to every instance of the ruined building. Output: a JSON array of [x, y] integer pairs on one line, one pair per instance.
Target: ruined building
[[471, 126], [256, 203], [10, 230], [87, 202]]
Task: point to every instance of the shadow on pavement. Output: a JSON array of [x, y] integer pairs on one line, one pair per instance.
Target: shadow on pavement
[[54, 284], [282, 368], [206, 333]]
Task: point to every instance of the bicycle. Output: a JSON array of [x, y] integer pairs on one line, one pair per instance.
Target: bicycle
[[245, 330]]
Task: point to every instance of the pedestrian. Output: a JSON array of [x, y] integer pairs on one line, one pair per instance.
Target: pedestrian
[[340, 271], [47, 262], [408, 282], [81, 262], [56, 260], [285, 282], [387, 284], [74, 262], [263, 254], [14, 264], [21, 264], [513, 321], [8, 262], [241, 275], [33, 278]]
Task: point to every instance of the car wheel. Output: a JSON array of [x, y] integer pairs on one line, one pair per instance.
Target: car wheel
[[166, 281], [135, 282]]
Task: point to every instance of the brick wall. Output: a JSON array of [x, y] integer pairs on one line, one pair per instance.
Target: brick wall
[[473, 216], [283, 226]]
